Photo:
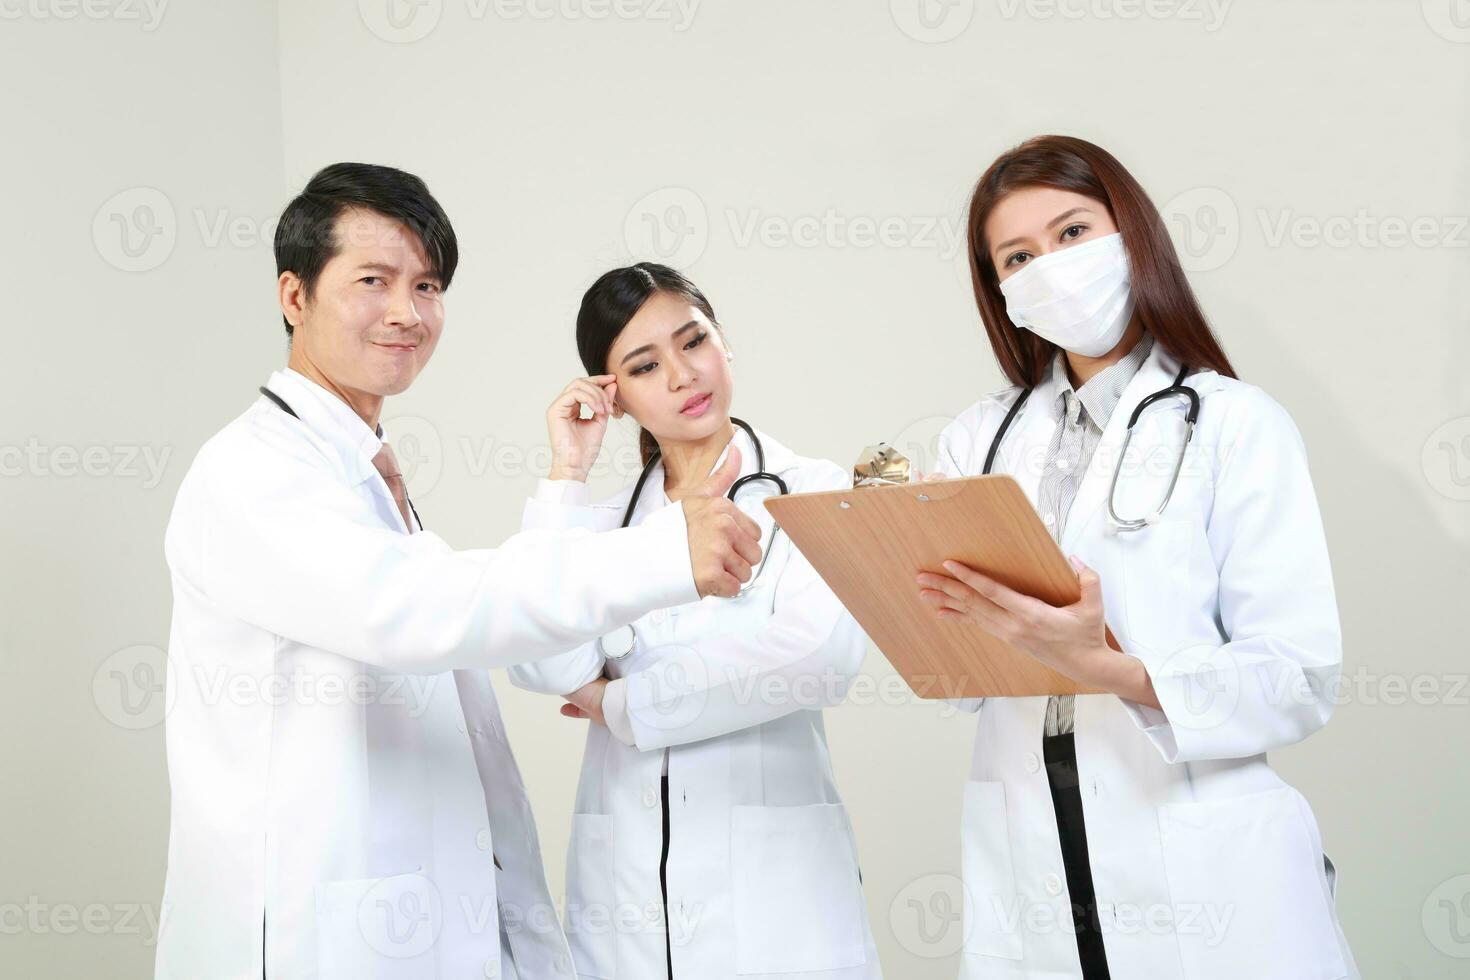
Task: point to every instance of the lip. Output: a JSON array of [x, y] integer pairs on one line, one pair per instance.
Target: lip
[[697, 405], [397, 348]]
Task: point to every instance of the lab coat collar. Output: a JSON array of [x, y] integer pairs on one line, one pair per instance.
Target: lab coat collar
[[331, 420], [778, 460], [1157, 372]]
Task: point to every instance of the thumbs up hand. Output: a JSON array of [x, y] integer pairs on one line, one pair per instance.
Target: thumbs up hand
[[724, 542]]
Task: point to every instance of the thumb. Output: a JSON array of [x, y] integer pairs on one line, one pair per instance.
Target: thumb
[[720, 480], [1087, 579]]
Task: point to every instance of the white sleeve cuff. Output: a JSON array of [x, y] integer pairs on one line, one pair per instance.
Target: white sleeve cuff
[[573, 492], [615, 711]]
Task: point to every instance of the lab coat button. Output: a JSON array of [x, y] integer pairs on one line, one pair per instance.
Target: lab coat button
[[659, 615], [1063, 465], [1033, 763], [650, 798], [1049, 519], [482, 840], [1053, 884]]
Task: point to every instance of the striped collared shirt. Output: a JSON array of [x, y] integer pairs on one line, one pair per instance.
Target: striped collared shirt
[[1081, 417]]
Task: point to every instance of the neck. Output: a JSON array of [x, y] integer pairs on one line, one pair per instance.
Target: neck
[[369, 407], [687, 463], [1082, 369]]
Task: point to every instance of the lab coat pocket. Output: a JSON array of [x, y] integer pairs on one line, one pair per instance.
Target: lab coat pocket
[[1249, 890], [377, 928], [992, 906], [592, 896], [797, 898]]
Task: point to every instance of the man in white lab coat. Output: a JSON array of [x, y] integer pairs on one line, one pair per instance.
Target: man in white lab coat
[[344, 800]]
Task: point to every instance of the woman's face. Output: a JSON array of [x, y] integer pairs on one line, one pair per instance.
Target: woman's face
[[1033, 221], [672, 371]]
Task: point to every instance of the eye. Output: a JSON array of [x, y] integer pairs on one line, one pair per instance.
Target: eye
[[371, 280], [1015, 259], [1071, 232], [644, 368], [699, 339], [429, 287]]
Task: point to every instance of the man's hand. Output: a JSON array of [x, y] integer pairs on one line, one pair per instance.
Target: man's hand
[[724, 543], [586, 702]]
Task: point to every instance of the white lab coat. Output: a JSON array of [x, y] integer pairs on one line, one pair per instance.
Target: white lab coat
[[341, 780], [1206, 864], [763, 876]]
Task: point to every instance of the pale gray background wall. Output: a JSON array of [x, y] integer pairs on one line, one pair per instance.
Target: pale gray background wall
[[807, 164]]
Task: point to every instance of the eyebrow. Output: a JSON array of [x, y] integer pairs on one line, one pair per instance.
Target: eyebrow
[[1050, 224], [648, 347]]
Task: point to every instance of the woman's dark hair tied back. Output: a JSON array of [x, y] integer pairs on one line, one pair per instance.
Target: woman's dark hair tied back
[[613, 300]]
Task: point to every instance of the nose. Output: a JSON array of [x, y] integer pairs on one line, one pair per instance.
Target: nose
[[402, 309]]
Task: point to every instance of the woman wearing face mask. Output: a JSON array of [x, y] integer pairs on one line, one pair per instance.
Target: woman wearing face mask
[[1138, 832], [706, 798]]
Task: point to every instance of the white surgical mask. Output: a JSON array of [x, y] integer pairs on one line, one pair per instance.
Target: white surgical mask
[[1078, 298]]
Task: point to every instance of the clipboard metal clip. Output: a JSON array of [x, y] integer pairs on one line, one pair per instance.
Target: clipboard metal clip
[[880, 466]]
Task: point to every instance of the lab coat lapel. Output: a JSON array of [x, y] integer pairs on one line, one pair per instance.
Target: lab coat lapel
[[1022, 454], [1157, 372]]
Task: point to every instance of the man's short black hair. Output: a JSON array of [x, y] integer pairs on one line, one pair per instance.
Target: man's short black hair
[[304, 242]]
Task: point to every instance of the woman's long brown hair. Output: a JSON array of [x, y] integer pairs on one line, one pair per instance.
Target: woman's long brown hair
[[1165, 304]]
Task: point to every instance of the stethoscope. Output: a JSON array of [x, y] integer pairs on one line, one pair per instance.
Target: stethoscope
[[619, 643], [1175, 389], [281, 404]]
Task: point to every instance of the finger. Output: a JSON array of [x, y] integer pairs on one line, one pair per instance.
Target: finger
[[1087, 581], [951, 587], [746, 548], [572, 711], [726, 586], [573, 397], [593, 397], [1008, 599], [738, 567], [720, 480], [744, 523]]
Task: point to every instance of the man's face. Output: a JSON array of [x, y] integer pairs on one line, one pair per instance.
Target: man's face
[[376, 311]]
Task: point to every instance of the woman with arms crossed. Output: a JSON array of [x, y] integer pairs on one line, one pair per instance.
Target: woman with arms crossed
[[706, 798]]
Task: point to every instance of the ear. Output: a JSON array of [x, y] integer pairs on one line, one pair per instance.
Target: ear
[[291, 292]]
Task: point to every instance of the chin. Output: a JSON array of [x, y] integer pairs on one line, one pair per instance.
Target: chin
[[395, 384]]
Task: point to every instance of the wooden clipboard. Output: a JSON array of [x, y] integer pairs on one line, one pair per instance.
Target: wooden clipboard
[[869, 543]]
